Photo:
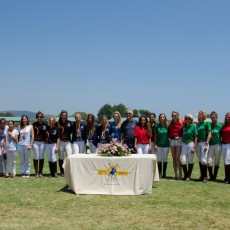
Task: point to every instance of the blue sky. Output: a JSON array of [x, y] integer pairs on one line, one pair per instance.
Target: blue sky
[[78, 55]]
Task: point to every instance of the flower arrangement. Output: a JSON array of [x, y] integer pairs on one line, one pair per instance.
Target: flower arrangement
[[113, 149]]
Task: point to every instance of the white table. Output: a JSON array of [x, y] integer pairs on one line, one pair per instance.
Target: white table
[[93, 174]]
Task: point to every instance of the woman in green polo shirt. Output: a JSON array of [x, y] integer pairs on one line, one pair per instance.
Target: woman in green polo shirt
[[214, 151], [204, 135], [162, 143], [189, 139]]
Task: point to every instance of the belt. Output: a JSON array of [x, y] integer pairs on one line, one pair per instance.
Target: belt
[[201, 141], [225, 143], [186, 143]]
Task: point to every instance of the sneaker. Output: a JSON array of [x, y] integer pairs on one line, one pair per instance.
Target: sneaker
[[27, 176], [36, 176], [7, 176], [55, 175], [23, 175], [40, 175], [62, 175], [205, 180]]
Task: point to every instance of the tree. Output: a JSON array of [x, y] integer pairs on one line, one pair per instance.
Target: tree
[[121, 108], [135, 113], [6, 114], [144, 112], [107, 110]]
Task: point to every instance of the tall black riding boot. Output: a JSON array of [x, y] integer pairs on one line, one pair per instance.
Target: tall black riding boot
[[36, 167], [41, 164], [204, 168], [184, 167], [50, 167], [216, 168], [210, 173], [190, 168], [55, 168], [60, 167], [164, 169], [160, 169], [228, 174], [225, 170], [201, 172]]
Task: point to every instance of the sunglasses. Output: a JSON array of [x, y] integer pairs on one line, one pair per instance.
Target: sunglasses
[[187, 118]]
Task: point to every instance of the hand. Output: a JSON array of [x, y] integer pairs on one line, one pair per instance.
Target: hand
[[193, 150], [56, 150], [150, 147], [205, 148], [156, 148], [29, 147]]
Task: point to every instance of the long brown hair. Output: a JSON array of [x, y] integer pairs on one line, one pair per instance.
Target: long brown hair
[[147, 126], [90, 124]]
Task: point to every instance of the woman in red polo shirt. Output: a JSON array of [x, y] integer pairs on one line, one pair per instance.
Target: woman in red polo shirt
[[226, 147], [142, 136], [175, 133]]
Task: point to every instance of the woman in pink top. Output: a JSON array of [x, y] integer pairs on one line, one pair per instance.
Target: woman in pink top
[[142, 136], [226, 147], [175, 133]]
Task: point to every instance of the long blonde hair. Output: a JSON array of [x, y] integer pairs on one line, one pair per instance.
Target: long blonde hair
[[119, 120]]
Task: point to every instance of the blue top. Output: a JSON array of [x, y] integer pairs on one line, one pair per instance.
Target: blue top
[[116, 132], [127, 128]]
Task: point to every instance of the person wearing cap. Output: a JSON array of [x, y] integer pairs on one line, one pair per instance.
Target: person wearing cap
[[3, 128], [174, 134], [162, 144], [127, 130], [189, 142], [65, 128], [152, 123], [116, 126], [40, 128], [214, 151], [203, 138], [226, 147], [78, 135]]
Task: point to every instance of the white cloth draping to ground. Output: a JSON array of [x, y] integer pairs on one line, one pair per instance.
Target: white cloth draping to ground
[[93, 174]]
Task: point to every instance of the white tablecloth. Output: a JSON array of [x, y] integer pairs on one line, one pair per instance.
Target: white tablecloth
[[93, 174]]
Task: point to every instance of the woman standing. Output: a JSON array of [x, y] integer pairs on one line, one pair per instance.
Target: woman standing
[[10, 143], [175, 134], [78, 135], [116, 126], [152, 122], [142, 136], [189, 139], [3, 128], [26, 139], [52, 145], [103, 132], [204, 135], [40, 128], [162, 143], [64, 126], [91, 135], [226, 147], [214, 151]]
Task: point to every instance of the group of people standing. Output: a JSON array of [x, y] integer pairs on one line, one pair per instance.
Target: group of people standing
[[63, 137]]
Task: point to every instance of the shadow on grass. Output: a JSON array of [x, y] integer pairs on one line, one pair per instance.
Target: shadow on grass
[[66, 189]]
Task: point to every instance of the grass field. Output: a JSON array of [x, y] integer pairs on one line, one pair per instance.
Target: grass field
[[46, 203]]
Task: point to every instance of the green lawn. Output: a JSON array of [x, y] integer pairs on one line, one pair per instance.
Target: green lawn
[[44, 203]]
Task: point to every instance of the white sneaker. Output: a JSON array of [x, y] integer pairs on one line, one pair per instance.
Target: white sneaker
[[27, 176], [23, 175]]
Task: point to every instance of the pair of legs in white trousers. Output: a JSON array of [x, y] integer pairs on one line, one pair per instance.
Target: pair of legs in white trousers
[[162, 156], [78, 147], [142, 148], [11, 155], [24, 154], [226, 158], [64, 148], [52, 159], [2, 163]]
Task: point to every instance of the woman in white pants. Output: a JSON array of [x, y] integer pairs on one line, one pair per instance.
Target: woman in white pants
[[189, 141], [26, 139], [142, 136], [226, 147], [52, 145], [65, 128], [215, 148], [10, 144], [91, 135], [78, 135], [162, 144], [203, 138], [152, 122]]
